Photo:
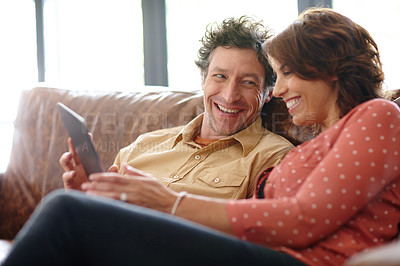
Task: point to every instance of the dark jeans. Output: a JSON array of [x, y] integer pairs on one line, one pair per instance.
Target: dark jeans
[[74, 229]]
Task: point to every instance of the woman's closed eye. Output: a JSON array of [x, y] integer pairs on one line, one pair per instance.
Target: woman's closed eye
[[287, 73]]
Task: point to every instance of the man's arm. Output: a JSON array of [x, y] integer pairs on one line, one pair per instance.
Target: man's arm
[[74, 175], [273, 161]]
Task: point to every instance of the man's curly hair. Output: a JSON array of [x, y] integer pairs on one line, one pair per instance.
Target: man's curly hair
[[243, 32]]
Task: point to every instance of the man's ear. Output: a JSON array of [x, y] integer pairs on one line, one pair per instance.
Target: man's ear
[[203, 79], [268, 97]]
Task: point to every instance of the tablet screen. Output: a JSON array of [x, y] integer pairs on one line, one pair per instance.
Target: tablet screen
[[77, 130]]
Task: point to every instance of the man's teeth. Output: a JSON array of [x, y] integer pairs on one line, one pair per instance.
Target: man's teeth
[[292, 102], [226, 110]]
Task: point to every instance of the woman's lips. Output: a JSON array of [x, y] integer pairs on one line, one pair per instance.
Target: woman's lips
[[292, 103]]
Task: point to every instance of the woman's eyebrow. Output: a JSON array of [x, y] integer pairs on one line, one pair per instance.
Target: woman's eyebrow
[[282, 67]]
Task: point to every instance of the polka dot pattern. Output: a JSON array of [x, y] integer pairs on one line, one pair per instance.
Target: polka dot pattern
[[342, 196]]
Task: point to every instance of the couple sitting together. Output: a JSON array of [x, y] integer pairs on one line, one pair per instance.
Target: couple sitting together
[[239, 194]]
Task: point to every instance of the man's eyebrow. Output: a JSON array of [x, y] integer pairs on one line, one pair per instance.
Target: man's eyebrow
[[249, 74], [254, 75], [218, 69]]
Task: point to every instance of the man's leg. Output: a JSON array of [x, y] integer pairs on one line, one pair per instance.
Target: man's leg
[[73, 229]]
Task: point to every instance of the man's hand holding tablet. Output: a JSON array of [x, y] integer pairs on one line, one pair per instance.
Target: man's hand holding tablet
[[82, 143]]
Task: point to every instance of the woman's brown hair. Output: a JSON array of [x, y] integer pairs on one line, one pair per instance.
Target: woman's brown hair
[[322, 44]]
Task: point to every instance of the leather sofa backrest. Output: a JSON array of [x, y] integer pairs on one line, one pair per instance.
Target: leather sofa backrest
[[114, 118]]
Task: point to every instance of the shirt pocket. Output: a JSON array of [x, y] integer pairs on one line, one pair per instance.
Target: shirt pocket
[[222, 178]]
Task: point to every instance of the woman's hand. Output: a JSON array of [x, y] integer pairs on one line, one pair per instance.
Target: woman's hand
[[139, 188], [135, 187]]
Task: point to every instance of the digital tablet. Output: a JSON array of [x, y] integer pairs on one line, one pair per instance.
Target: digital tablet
[[77, 130]]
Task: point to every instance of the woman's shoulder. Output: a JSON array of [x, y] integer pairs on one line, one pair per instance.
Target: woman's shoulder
[[379, 104], [375, 107], [379, 111]]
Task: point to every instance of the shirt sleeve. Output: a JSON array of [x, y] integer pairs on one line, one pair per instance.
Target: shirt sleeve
[[117, 160], [274, 160], [362, 161], [122, 156]]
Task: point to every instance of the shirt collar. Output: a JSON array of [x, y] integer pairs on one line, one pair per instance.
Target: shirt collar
[[248, 137], [189, 131]]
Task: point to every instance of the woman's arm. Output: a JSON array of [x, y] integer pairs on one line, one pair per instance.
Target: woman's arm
[[350, 172], [346, 179], [145, 190]]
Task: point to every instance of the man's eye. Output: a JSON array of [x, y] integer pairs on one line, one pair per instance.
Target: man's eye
[[221, 76], [249, 82]]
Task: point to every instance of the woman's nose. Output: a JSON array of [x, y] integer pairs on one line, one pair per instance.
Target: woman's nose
[[279, 89]]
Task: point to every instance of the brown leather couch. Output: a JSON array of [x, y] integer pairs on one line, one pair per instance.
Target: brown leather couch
[[115, 119]]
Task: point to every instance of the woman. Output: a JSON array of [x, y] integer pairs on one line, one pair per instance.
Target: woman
[[329, 198]]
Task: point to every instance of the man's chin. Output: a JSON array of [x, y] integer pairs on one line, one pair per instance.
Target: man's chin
[[228, 127], [229, 130]]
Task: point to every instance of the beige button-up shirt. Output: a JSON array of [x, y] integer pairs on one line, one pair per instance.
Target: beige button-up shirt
[[227, 168]]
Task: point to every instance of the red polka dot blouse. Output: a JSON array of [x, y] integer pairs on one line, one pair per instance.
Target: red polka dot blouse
[[334, 195]]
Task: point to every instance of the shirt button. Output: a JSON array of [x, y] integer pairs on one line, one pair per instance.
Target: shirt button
[[197, 157], [176, 176], [216, 180]]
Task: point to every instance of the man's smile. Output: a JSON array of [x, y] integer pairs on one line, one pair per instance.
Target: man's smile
[[227, 110]]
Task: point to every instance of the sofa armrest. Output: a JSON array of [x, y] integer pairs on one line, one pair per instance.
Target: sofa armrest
[[397, 101], [383, 255], [5, 247], [1, 179]]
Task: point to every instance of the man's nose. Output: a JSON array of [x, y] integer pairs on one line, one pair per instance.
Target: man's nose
[[231, 92]]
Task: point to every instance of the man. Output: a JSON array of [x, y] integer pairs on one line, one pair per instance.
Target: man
[[223, 151]]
